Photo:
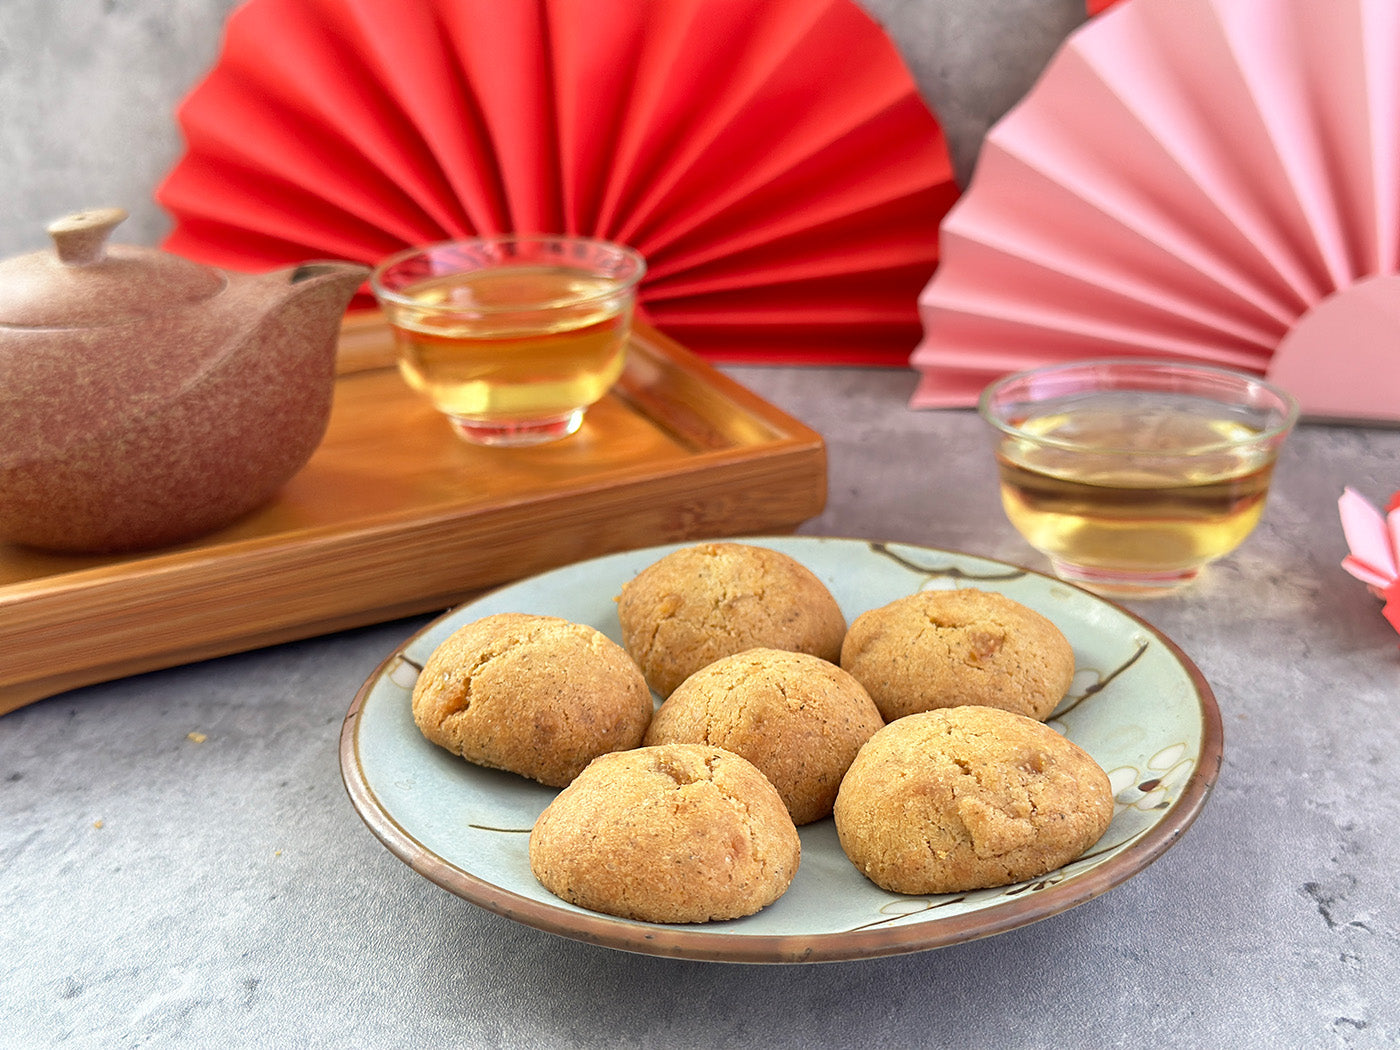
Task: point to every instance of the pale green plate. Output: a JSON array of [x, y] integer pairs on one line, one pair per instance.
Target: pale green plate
[[1138, 705]]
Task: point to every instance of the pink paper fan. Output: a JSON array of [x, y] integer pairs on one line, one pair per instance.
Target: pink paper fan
[[1213, 180], [772, 159], [1374, 542]]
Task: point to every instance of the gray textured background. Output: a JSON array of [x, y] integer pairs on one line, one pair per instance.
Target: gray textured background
[[88, 90]]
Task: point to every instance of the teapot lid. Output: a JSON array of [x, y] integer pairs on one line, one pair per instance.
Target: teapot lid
[[85, 282]]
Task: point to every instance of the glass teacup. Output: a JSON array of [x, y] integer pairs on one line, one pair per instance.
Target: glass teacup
[[1131, 475], [512, 338]]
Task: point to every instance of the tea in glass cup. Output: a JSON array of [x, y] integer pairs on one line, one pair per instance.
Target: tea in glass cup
[[1131, 475], [512, 338]]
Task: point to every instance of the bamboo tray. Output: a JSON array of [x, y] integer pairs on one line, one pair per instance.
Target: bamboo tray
[[395, 516]]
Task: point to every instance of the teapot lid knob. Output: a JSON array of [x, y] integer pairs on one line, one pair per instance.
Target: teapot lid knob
[[81, 238]]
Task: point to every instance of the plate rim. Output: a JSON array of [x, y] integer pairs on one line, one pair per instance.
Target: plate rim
[[696, 942]]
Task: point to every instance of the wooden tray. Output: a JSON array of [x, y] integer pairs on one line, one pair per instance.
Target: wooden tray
[[395, 516]]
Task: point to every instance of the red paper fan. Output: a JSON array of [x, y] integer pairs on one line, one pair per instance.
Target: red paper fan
[[1216, 180], [772, 159]]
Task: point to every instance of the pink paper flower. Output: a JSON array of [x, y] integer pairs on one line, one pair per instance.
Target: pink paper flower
[[1374, 539]]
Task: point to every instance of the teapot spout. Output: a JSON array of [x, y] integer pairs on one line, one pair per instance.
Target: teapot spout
[[332, 284], [306, 302]]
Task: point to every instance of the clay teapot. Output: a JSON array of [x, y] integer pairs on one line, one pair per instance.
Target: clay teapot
[[147, 400]]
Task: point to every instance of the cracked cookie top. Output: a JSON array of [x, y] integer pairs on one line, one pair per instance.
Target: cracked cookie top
[[939, 649], [700, 603], [673, 833], [536, 695], [798, 718], [967, 798]]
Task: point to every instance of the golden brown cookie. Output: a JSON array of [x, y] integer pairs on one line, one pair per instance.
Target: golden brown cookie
[[966, 798], [671, 833], [535, 695], [798, 718], [715, 599], [939, 649]]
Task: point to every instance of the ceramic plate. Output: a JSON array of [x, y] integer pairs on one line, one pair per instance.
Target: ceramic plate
[[1137, 705]]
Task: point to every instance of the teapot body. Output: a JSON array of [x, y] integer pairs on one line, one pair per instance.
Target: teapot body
[[158, 428]]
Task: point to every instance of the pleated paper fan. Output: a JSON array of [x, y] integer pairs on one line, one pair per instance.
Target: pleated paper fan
[[1212, 180], [772, 159]]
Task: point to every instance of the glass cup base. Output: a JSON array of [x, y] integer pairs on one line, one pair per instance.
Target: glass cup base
[[1119, 583], [518, 433]]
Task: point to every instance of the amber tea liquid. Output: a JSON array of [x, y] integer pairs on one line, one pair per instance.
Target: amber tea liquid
[[1162, 503], [513, 344]]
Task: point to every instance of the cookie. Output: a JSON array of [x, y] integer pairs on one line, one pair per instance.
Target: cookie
[[968, 798], [938, 649], [700, 603], [535, 695], [797, 717], [674, 833]]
